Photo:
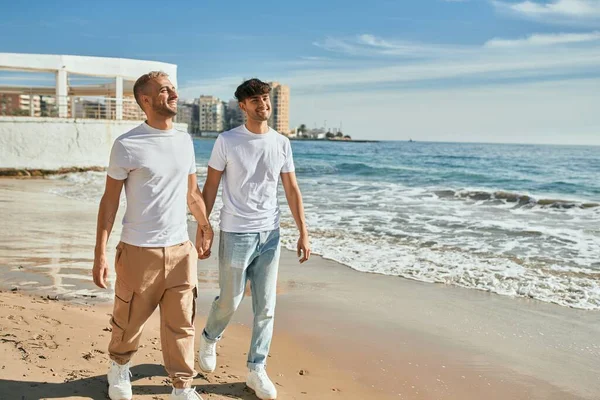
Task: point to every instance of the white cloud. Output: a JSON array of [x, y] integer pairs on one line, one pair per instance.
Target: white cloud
[[498, 58], [371, 40], [556, 11], [338, 46], [490, 66], [545, 40], [367, 45], [313, 58], [531, 57]]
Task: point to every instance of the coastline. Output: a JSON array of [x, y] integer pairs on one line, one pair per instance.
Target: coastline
[[40, 173], [304, 140], [369, 335]]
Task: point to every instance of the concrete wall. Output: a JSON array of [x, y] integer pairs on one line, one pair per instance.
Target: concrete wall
[[55, 143]]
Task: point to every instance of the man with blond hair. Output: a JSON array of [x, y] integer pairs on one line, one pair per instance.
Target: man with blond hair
[[156, 264]]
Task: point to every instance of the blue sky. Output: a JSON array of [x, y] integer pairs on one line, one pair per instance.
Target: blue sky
[[470, 70]]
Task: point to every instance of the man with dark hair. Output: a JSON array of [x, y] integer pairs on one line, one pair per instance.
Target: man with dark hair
[[250, 88], [156, 264], [250, 159]]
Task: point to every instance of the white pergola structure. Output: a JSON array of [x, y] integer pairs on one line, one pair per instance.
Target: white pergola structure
[[121, 69]]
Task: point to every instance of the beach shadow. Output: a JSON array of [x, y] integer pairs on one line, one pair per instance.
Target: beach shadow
[[236, 390], [95, 387]]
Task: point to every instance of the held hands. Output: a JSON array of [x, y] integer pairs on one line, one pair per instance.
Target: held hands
[[204, 240], [303, 248], [100, 271]]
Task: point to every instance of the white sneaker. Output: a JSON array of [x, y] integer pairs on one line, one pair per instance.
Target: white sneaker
[[119, 384], [207, 355], [185, 394], [259, 381]]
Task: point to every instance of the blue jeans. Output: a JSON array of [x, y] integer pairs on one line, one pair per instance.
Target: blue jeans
[[253, 257]]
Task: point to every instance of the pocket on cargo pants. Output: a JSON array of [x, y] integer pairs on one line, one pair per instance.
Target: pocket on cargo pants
[[121, 310], [119, 253]]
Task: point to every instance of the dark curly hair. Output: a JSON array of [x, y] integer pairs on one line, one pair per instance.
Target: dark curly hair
[[251, 87]]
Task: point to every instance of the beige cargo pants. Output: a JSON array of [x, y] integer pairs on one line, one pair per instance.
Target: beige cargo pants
[[148, 277]]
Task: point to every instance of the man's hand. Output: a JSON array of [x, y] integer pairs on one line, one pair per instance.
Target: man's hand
[[100, 271], [303, 248], [204, 240]]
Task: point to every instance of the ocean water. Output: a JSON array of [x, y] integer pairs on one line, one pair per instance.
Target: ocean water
[[517, 220]]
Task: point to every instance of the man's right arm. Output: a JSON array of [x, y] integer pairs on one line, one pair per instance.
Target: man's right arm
[[107, 213], [210, 189]]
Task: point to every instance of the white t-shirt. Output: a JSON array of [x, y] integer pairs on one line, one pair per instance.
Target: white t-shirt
[[155, 165], [251, 165]]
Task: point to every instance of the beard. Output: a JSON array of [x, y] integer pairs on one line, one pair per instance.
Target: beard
[[164, 110]]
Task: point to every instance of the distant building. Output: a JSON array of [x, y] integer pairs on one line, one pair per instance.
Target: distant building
[[185, 114], [280, 106], [97, 108], [90, 109], [31, 103], [196, 116], [212, 114], [233, 115], [48, 106], [131, 109], [317, 133], [20, 104]]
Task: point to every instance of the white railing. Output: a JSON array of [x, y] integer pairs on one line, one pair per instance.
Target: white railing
[[70, 107], [107, 108]]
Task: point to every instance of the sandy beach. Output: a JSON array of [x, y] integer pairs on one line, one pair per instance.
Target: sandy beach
[[339, 333], [54, 350]]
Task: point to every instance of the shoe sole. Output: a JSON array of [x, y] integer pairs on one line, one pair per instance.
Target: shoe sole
[[207, 370], [203, 369], [118, 397], [256, 393]]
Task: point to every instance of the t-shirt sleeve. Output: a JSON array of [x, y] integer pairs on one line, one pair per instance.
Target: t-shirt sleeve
[[288, 164], [118, 165], [218, 157], [193, 165]]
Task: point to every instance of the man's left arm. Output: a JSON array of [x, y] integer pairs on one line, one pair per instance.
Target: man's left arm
[[294, 199], [204, 233]]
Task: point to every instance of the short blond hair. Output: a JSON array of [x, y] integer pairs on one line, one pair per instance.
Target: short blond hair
[[139, 87]]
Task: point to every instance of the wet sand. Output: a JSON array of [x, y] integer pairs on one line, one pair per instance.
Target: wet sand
[[353, 335]]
